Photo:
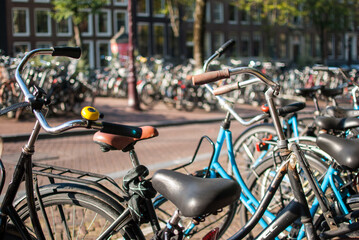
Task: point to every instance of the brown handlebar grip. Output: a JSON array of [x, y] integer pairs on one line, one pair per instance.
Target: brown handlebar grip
[[225, 89], [210, 77]]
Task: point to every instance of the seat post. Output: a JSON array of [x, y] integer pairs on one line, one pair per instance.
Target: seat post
[[134, 158]]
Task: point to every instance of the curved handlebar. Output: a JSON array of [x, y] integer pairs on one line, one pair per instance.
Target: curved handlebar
[[221, 74]]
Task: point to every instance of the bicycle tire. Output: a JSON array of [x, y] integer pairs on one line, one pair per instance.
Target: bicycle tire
[[148, 95], [96, 211], [165, 209], [262, 175], [244, 147]]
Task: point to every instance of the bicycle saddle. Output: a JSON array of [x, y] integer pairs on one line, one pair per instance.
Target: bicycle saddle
[[332, 92], [344, 151], [341, 112], [108, 141], [332, 123], [195, 196], [307, 92]]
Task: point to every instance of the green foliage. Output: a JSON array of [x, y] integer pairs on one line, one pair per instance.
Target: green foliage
[[332, 15], [272, 11], [64, 9]]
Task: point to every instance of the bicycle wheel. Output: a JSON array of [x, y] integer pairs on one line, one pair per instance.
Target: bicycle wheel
[[262, 175], [76, 215], [222, 220], [148, 95], [245, 146]]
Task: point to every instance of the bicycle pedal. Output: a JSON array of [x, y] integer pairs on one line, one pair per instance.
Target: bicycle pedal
[[261, 146]]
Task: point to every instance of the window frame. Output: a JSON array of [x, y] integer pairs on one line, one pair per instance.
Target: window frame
[[63, 34], [218, 6], [90, 24], [115, 20], [27, 12], [109, 23], [98, 43], [147, 12], [49, 25]]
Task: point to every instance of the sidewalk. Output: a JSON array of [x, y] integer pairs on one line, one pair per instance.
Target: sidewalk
[[116, 110]]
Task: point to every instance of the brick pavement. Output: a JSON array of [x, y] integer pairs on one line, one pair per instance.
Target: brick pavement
[[116, 110]]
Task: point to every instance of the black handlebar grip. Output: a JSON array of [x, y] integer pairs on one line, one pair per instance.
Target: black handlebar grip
[[226, 89], [73, 52], [123, 130], [225, 46], [210, 77]]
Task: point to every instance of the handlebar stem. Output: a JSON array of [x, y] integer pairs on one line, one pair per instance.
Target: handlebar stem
[[282, 142]]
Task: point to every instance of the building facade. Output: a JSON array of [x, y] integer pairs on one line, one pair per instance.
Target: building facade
[[29, 25]]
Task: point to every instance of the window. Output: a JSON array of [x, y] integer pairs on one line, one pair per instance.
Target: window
[[189, 44], [282, 45], [20, 22], [207, 44], [64, 27], [86, 26], [217, 39], [142, 8], [88, 53], [339, 46], [21, 47], [256, 15], [330, 44], [232, 14], [189, 12], [120, 2], [120, 20], [245, 45], [19, 0], [208, 12], [42, 22], [244, 17], [308, 44], [218, 12], [158, 7], [235, 49], [143, 38], [159, 35], [103, 23], [318, 47], [42, 1], [256, 44], [103, 52]]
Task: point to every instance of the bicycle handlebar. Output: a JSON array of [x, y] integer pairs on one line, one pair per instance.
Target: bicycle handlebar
[[129, 131], [234, 86], [221, 74]]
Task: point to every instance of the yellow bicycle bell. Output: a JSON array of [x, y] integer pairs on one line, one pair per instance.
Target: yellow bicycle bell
[[90, 113]]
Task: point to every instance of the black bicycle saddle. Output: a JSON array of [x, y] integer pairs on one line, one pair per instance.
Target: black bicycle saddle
[[332, 92], [195, 196], [332, 123], [341, 112], [344, 151]]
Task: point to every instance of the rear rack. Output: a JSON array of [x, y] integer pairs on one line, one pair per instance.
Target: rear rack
[[98, 181]]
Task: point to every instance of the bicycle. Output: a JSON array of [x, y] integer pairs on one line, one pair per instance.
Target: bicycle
[[137, 191]]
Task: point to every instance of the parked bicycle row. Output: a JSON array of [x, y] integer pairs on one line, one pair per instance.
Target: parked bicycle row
[[65, 89], [291, 178]]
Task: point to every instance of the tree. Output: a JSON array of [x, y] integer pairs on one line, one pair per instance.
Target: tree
[[329, 16], [271, 13], [198, 32], [64, 9]]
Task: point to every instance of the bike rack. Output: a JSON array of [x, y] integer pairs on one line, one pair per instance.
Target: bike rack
[[91, 179]]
